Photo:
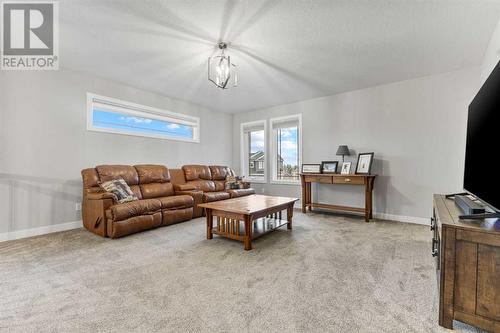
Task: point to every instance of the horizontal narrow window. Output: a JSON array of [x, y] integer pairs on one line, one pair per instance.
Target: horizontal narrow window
[[120, 117]]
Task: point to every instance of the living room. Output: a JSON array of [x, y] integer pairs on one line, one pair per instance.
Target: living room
[[150, 162]]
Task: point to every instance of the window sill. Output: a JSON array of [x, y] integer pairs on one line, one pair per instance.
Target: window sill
[[285, 182], [256, 181]]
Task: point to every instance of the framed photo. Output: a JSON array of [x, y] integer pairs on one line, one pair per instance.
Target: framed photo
[[346, 168], [311, 168], [364, 165], [329, 166]]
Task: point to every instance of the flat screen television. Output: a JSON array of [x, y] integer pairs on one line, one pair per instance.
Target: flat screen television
[[483, 136]]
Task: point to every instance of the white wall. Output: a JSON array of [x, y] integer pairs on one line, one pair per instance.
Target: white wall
[[416, 129], [44, 143], [492, 55]]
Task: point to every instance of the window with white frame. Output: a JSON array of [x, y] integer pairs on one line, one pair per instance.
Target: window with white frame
[[286, 142], [110, 115], [253, 150]]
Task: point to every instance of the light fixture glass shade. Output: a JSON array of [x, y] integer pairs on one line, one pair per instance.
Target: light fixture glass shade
[[221, 70]]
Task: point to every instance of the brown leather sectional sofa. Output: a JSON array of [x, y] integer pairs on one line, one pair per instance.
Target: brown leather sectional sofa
[[166, 196]]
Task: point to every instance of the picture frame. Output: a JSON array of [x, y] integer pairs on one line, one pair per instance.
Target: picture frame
[[329, 166], [346, 168], [311, 168], [364, 165]]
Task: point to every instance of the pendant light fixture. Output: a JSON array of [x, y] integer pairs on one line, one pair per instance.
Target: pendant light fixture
[[221, 70]]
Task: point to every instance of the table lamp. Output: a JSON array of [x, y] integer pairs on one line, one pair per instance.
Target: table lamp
[[343, 150]]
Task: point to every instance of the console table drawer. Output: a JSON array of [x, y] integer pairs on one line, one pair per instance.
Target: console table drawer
[[318, 179], [348, 180]]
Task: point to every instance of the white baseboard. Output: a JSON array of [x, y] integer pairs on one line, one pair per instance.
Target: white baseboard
[[11, 235], [401, 218], [392, 217]]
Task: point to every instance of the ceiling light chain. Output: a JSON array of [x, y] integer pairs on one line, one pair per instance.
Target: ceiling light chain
[[224, 69]]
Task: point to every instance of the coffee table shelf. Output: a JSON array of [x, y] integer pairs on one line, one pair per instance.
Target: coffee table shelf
[[247, 218], [260, 227]]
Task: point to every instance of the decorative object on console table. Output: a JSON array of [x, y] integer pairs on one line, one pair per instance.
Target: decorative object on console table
[[343, 150], [311, 168], [364, 165], [329, 166], [346, 168], [361, 180], [467, 256]]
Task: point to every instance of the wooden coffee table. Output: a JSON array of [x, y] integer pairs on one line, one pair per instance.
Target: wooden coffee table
[[247, 218]]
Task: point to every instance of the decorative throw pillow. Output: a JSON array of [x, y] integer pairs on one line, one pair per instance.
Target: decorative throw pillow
[[231, 183], [120, 189]]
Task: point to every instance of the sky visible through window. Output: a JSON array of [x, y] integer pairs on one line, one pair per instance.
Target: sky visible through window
[[117, 121], [288, 145], [256, 141]]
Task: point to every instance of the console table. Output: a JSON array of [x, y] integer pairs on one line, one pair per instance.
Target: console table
[[366, 181]]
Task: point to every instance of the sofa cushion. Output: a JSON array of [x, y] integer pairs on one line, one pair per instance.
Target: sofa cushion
[[194, 172], [155, 190], [220, 185], [137, 191], [176, 202], [134, 224], [241, 192], [90, 178], [177, 176], [152, 173], [203, 185], [110, 172], [215, 196], [220, 172], [177, 215], [134, 208]]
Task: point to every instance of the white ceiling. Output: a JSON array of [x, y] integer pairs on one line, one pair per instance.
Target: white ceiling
[[285, 50]]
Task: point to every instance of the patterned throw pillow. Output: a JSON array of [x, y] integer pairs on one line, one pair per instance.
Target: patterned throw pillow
[[231, 183], [120, 189]]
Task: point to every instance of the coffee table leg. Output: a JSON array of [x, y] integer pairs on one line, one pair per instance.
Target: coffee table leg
[[289, 216], [210, 235], [247, 240]]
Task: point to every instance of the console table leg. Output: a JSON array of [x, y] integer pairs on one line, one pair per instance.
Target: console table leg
[[247, 239], [309, 195], [371, 197], [210, 235], [304, 197], [368, 202], [289, 216]]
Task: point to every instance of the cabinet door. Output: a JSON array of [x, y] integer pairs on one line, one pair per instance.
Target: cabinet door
[[488, 281], [465, 276]]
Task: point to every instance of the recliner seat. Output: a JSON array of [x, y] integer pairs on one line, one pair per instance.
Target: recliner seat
[[158, 205], [206, 184]]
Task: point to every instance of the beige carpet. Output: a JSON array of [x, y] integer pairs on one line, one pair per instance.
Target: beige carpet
[[330, 274]]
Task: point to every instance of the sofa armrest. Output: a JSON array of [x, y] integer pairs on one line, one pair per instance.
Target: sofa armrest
[[184, 187], [101, 196], [246, 185], [240, 192], [94, 211], [198, 199]]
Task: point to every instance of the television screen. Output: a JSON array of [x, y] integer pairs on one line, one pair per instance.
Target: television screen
[[483, 135]]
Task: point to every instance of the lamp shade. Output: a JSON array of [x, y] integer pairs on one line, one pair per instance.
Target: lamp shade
[[343, 150]]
